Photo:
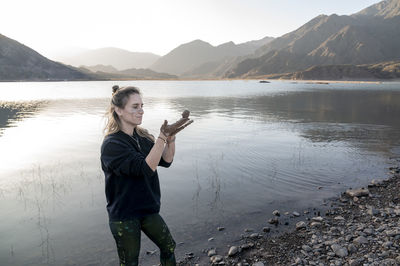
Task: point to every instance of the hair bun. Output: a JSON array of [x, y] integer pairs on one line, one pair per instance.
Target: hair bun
[[115, 88]]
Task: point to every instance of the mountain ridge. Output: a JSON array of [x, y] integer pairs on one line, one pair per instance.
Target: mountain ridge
[[19, 62], [369, 36]]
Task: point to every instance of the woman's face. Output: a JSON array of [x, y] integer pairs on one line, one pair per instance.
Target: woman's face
[[132, 113]]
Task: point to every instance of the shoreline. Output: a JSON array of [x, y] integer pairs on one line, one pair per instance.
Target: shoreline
[[270, 80], [361, 227]]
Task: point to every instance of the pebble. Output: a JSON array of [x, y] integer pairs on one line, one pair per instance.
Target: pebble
[[254, 235], [273, 221], [351, 234], [372, 211], [300, 225], [357, 192], [211, 252], [318, 219], [216, 258], [276, 213], [360, 240], [233, 250], [266, 229]]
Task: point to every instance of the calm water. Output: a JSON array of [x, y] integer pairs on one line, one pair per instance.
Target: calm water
[[253, 148]]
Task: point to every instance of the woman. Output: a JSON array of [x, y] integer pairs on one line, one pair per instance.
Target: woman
[[129, 159]]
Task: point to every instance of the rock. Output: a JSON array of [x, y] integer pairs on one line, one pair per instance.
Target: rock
[[360, 240], [318, 219], [338, 218], [306, 248], [296, 214], [254, 235], [300, 225], [355, 262], [210, 239], [391, 233], [276, 213], [387, 244], [233, 250], [351, 248], [342, 252], [220, 228], [247, 230], [315, 224], [368, 231], [190, 255], [151, 252], [372, 211], [274, 221], [266, 229], [212, 252], [247, 245], [357, 192], [258, 264], [339, 250], [216, 258]]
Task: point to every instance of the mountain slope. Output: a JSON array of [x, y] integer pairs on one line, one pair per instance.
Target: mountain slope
[[186, 58], [19, 62], [384, 70], [370, 36]]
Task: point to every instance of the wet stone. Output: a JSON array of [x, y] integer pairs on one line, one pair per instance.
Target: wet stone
[[233, 251]]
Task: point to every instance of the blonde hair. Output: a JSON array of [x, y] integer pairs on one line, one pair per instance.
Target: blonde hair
[[119, 99]]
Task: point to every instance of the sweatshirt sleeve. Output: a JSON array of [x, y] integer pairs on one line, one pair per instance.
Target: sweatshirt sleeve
[[124, 160], [164, 163]]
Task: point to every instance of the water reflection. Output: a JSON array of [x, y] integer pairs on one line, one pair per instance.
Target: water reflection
[[321, 116], [338, 106], [11, 112]]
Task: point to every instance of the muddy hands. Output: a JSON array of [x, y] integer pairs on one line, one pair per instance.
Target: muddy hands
[[173, 129]]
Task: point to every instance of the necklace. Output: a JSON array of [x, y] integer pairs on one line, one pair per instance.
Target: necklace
[[134, 137]]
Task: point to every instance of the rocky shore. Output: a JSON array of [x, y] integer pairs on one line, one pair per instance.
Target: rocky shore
[[361, 227]]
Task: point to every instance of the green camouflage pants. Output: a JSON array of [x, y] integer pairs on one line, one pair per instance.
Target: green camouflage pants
[[127, 237]]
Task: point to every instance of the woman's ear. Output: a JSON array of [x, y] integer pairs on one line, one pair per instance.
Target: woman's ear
[[118, 110]]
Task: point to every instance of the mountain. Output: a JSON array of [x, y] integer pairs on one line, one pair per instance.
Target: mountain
[[189, 56], [383, 70], [118, 58], [369, 36], [100, 68], [108, 72], [19, 62]]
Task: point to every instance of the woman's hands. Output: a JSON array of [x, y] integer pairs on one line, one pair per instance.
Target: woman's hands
[[172, 130]]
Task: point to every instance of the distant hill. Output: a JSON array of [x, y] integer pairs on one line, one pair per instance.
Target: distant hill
[[384, 70], [100, 68], [117, 58], [369, 36], [108, 72], [188, 57], [19, 62]]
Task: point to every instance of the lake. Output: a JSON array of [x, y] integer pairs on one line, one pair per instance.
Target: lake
[[253, 148]]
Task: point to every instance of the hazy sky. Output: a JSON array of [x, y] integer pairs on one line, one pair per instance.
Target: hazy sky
[[157, 26]]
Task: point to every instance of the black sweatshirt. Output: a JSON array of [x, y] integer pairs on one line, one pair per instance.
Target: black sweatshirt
[[132, 187]]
